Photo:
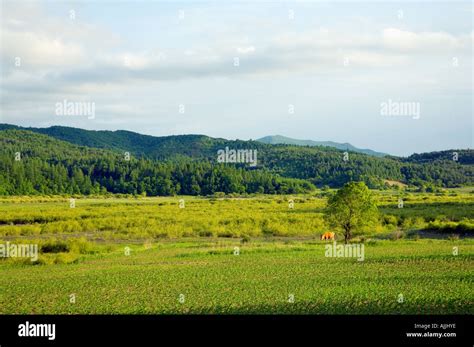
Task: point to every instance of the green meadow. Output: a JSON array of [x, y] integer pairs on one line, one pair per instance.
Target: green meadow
[[256, 255]]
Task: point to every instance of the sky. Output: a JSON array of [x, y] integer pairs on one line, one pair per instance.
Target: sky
[[319, 70]]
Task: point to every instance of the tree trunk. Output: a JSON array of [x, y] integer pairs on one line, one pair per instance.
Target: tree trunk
[[347, 234]]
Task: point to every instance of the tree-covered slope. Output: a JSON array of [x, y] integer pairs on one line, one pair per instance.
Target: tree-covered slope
[[33, 163], [164, 147], [461, 156], [317, 165]]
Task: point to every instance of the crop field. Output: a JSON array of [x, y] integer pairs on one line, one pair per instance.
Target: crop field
[[234, 256], [195, 276]]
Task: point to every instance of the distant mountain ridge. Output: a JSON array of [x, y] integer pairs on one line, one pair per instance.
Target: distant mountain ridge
[[146, 144], [158, 147], [165, 147], [279, 139]]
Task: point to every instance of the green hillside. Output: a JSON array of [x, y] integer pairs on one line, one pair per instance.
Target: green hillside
[[49, 166], [63, 160]]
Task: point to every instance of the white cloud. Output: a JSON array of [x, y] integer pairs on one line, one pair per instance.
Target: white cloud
[[426, 42], [69, 53], [47, 43], [40, 50], [139, 78]]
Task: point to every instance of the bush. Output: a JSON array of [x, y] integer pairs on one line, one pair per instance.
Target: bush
[[82, 246], [60, 258], [390, 220]]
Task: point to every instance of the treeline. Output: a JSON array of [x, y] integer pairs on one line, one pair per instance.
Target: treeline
[[145, 177]]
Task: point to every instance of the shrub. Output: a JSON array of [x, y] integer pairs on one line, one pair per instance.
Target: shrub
[[82, 246], [390, 220]]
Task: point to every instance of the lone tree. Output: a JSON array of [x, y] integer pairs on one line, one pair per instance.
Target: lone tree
[[351, 208]]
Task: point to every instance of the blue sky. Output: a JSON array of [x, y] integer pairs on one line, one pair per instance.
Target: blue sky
[[333, 62]]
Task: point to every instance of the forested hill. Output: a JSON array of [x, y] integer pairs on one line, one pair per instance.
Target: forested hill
[[187, 164], [462, 156], [164, 147], [33, 163], [167, 147]]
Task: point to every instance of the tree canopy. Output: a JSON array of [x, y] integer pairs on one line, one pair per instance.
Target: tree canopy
[[351, 208]]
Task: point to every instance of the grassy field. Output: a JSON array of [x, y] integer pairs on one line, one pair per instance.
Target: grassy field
[[155, 218], [252, 255], [196, 276]]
